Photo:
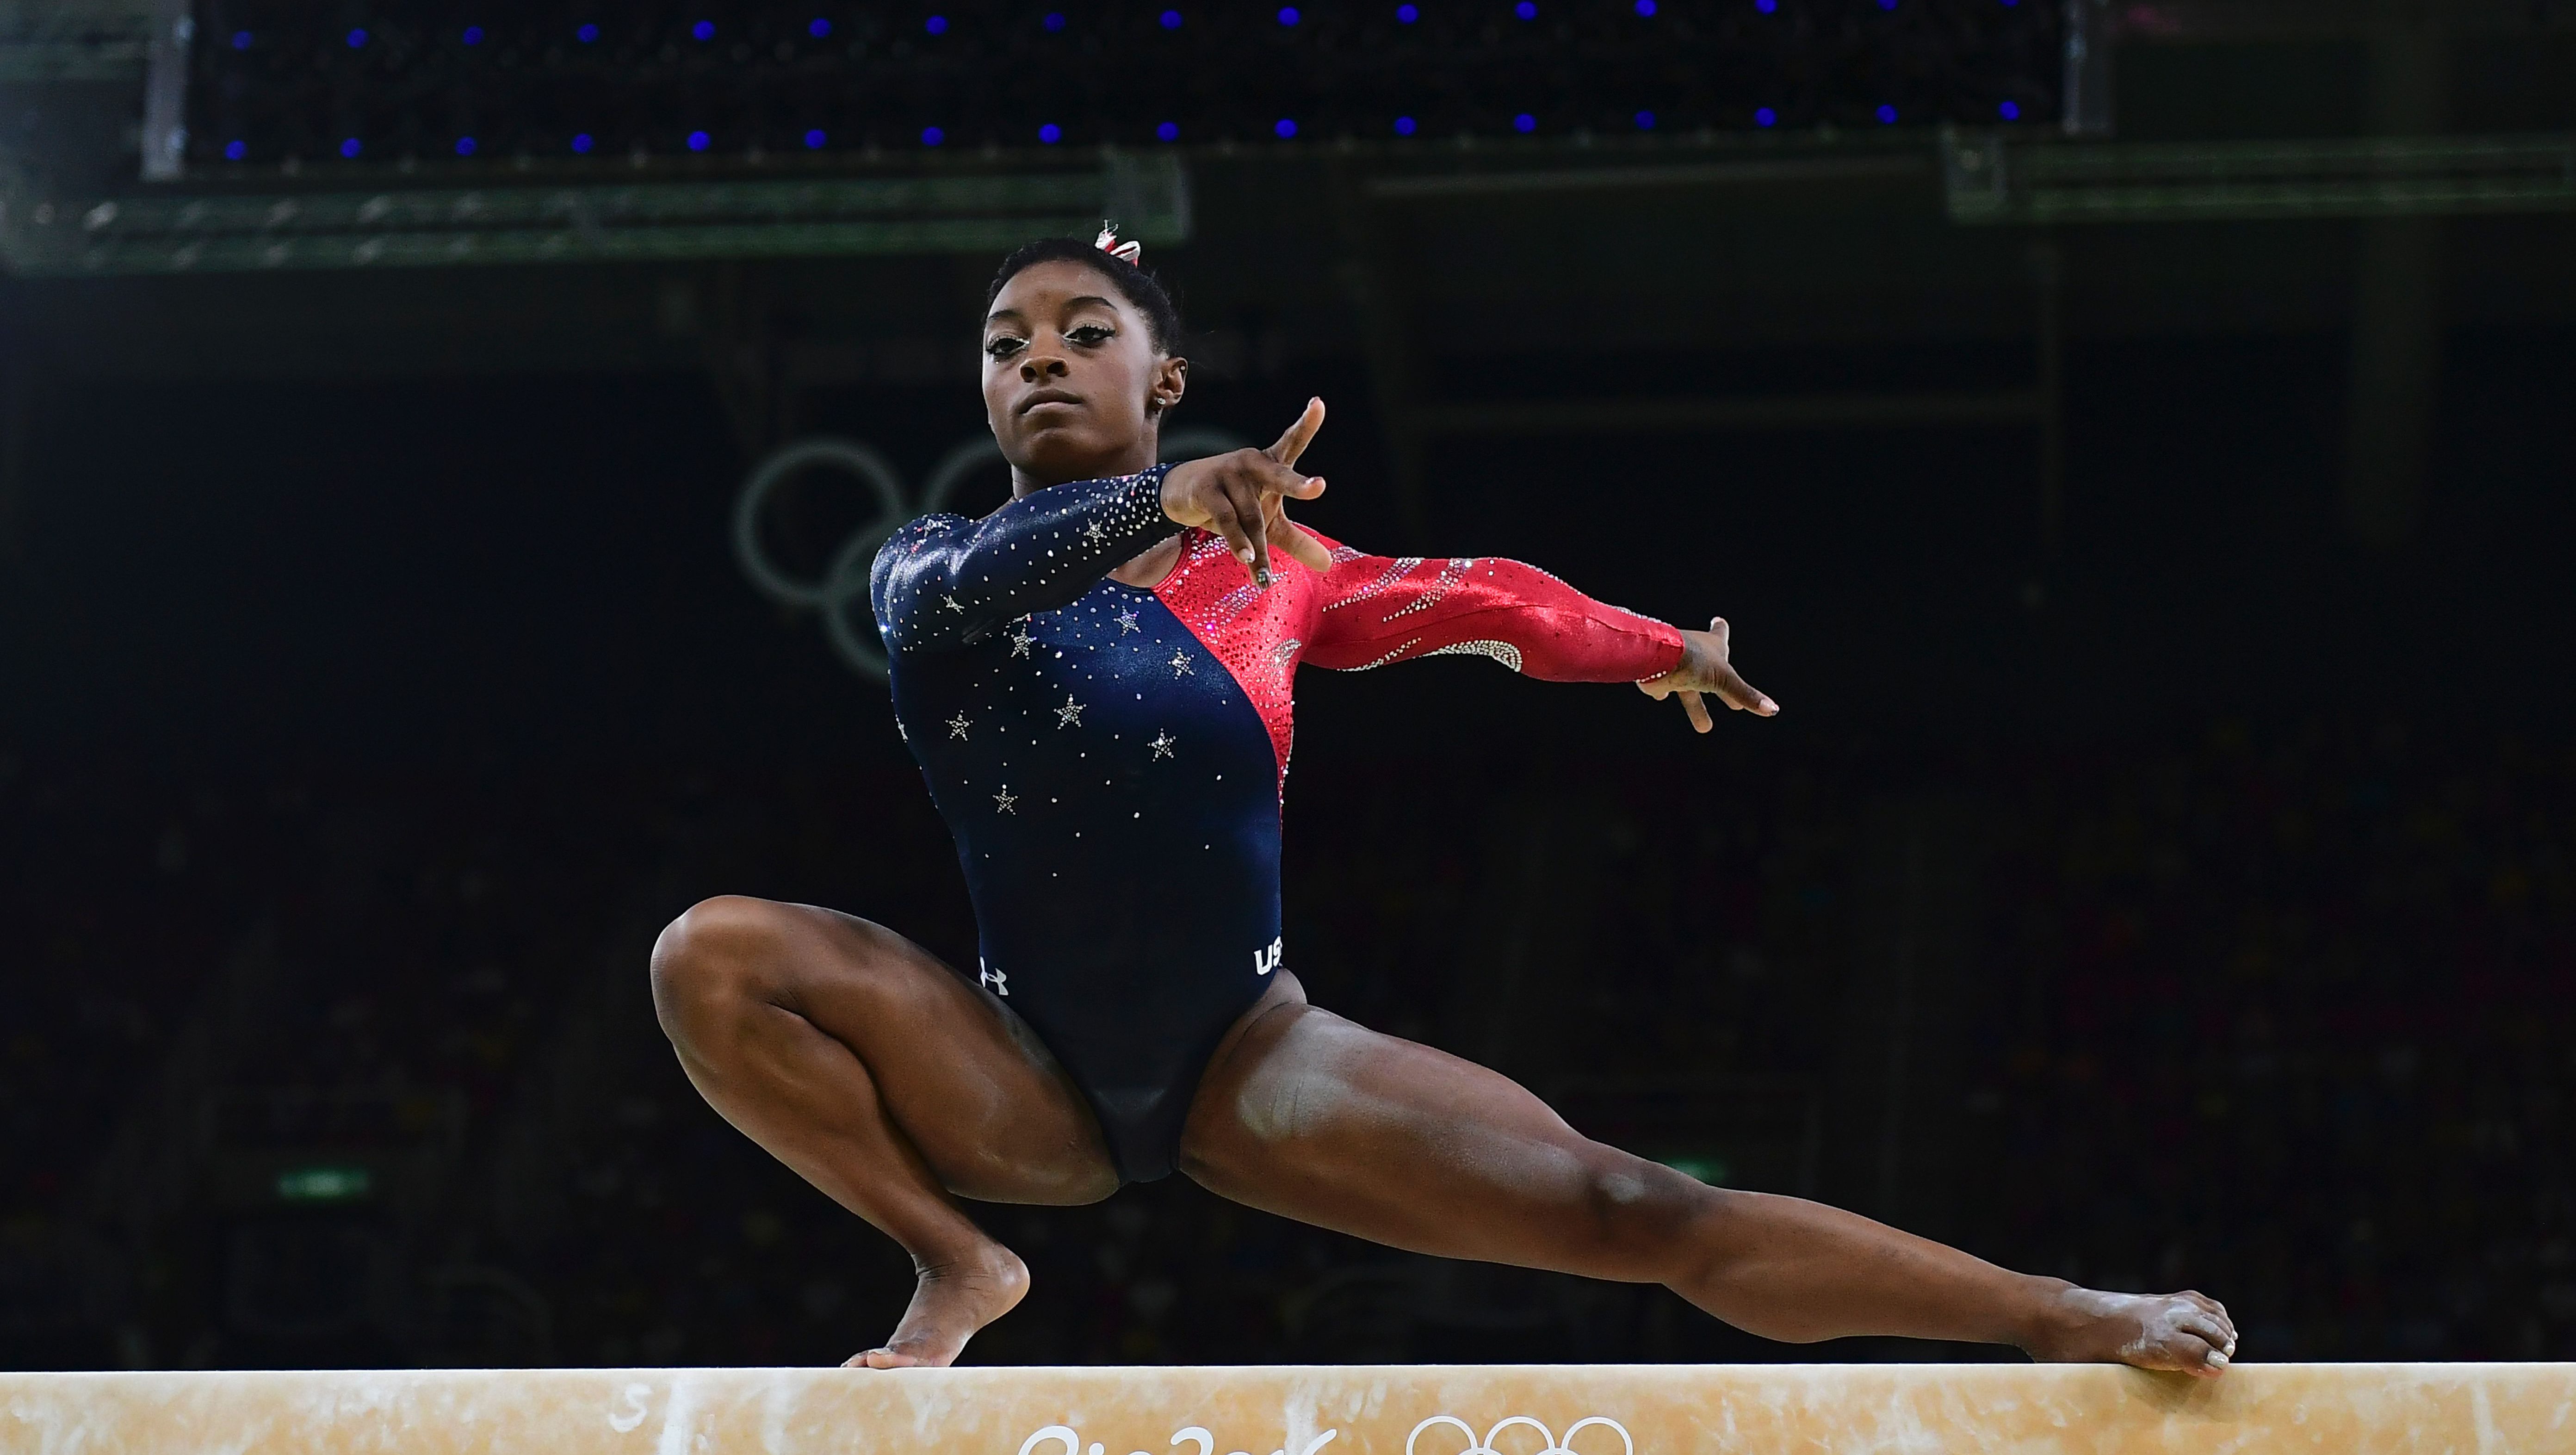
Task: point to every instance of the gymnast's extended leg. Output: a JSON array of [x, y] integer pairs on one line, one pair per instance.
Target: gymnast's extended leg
[[1308, 1115], [886, 1080]]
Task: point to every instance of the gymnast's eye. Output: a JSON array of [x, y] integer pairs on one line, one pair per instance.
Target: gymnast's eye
[[1091, 335], [1003, 346]]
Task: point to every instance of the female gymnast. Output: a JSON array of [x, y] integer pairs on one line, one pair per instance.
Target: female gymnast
[[1095, 679]]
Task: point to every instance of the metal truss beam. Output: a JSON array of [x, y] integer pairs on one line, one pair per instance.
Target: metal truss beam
[[1742, 412], [155, 232], [2239, 22], [1989, 178]]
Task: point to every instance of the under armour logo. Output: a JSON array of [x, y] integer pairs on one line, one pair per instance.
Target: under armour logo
[[1265, 961], [991, 979]]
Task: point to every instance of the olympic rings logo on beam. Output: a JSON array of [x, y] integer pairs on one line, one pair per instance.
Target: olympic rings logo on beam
[[1070, 1440], [844, 582], [1554, 1446]]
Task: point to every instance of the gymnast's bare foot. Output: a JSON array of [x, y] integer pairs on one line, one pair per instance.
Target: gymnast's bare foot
[[2187, 1332], [951, 1301]]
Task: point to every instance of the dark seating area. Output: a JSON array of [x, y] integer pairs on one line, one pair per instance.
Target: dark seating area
[[2294, 1015], [413, 85], [2282, 1014]]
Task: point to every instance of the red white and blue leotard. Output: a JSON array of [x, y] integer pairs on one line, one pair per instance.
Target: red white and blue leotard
[[1112, 760]]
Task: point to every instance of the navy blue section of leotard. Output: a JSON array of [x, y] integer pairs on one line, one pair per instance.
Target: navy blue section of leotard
[[1112, 792]]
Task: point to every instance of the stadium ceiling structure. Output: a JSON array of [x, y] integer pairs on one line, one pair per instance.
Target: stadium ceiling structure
[[167, 138], [256, 137]]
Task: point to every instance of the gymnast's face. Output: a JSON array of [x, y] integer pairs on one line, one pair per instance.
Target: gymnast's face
[[1073, 385]]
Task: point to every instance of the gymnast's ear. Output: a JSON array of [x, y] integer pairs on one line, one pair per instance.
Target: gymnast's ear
[[1171, 379]]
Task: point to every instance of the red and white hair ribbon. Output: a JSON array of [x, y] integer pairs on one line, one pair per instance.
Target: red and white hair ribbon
[[1130, 253]]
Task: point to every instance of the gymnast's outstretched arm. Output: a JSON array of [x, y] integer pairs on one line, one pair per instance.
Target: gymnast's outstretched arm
[[1379, 609], [943, 580]]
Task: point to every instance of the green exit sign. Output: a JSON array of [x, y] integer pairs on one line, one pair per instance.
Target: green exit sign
[[1709, 1169], [323, 1184]]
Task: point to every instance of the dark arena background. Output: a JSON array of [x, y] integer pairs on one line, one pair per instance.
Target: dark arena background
[[2133, 441]]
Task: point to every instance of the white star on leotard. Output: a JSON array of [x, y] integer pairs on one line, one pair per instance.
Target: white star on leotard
[[958, 725], [1127, 623], [1069, 715], [1003, 800], [1020, 641], [1162, 744], [1093, 533], [1180, 662], [951, 603]]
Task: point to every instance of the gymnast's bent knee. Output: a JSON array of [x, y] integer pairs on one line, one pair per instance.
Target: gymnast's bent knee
[[720, 951]]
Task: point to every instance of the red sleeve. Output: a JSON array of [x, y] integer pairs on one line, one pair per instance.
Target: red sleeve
[[1378, 609]]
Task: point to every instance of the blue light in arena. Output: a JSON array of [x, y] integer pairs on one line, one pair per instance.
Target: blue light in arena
[[1645, 121], [587, 34], [1288, 15], [234, 151], [350, 147], [1765, 116], [1886, 4], [1407, 14], [357, 39], [1171, 20], [704, 30], [932, 136], [582, 143], [1168, 131], [1283, 128], [1526, 10], [473, 35], [1055, 20], [1887, 116], [936, 25], [814, 140], [1404, 126], [241, 40], [818, 27], [1050, 133], [465, 146], [2010, 110], [699, 140], [1645, 7], [1525, 123], [1766, 6]]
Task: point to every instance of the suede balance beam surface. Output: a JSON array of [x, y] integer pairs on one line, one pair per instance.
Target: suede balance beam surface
[[1917, 1409]]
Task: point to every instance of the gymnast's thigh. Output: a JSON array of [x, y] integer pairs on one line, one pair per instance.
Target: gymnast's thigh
[[974, 1089], [1314, 1117]]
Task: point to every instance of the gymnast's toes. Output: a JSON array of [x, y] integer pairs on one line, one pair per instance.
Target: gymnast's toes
[[951, 1300]]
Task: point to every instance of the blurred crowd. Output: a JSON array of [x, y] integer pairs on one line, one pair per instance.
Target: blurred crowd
[[404, 81], [2295, 1019], [2288, 1016]]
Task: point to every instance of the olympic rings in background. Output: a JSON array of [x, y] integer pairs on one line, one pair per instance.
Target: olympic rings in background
[[844, 583]]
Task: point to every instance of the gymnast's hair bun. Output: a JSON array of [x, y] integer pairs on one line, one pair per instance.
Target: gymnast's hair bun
[[1130, 253]]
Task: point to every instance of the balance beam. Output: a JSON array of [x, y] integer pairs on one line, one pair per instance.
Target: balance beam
[[2338, 1409]]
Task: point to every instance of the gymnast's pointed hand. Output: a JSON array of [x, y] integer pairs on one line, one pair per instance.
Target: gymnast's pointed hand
[[1242, 496], [1705, 669], [2187, 1332]]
